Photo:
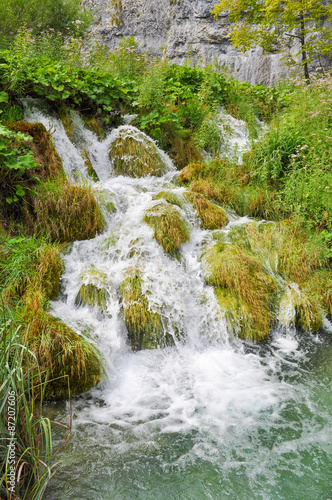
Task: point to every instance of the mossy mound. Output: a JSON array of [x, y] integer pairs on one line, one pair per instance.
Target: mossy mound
[[69, 359], [242, 275], [93, 289], [133, 154], [45, 154], [300, 310], [170, 197], [144, 326], [212, 216], [170, 230], [66, 213]]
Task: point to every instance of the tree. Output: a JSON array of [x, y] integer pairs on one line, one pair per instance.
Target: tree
[[60, 15], [274, 24]]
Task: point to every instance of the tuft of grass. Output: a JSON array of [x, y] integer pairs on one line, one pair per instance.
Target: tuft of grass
[[299, 309], [133, 154], [93, 289], [66, 213], [170, 230], [144, 326], [212, 216], [240, 273], [170, 197]]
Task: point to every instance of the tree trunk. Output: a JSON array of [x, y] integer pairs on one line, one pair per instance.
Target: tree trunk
[[303, 51]]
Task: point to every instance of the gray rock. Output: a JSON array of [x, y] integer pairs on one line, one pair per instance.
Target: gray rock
[[179, 28]]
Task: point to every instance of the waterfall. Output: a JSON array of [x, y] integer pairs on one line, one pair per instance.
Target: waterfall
[[208, 417]]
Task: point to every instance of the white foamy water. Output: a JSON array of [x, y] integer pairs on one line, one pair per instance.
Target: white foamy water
[[210, 417]]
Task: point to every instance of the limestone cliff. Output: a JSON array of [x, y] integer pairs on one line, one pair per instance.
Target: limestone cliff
[[181, 27]]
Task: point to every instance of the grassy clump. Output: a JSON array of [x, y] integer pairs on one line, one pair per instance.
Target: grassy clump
[[212, 216], [144, 326], [26, 465], [301, 261], [30, 271], [299, 309], [93, 289], [135, 155], [242, 275], [170, 197], [170, 230], [66, 213]]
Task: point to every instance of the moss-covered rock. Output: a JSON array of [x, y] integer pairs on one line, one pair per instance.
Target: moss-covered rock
[[170, 197], [49, 162], [145, 328], [170, 230], [319, 287], [66, 213], [212, 216], [135, 155], [93, 290], [90, 170], [236, 313], [241, 274], [70, 361], [299, 309]]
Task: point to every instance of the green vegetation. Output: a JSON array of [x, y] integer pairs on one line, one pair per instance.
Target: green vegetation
[[93, 290], [212, 216], [135, 155], [261, 274], [274, 23], [170, 230], [145, 328], [22, 425]]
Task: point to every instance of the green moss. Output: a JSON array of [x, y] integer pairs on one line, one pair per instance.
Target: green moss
[[91, 171], [300, 310], [212, 216], [170, 197], [170, 230], [135, 156], [145, 328], [93, 289], [66, 118], [96, 125], [105, 199]]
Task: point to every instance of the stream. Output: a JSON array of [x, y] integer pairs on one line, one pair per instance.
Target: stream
[[212, 417]]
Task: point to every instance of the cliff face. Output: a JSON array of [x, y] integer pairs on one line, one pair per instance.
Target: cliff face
[[181, 27]]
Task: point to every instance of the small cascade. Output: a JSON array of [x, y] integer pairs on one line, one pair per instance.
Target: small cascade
[[205, 412]]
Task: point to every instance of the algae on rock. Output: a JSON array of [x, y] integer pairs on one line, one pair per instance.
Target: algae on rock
[[136, 155], [170, 230], [170, 197], [144, 325]]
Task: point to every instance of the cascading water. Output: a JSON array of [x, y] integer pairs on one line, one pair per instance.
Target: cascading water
[[210, 417]]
